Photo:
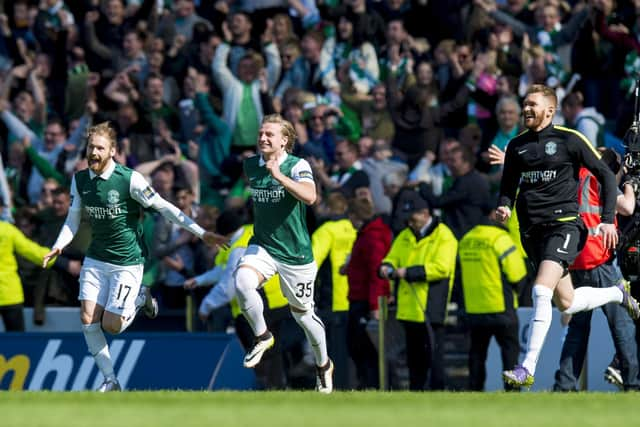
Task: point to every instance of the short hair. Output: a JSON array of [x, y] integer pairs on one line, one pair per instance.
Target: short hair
[[337, 203], [254, 57], [467, 154], [573, 100], [102, 129], [61, 190], [361, 209], [506, 100], [546, 91], [287, 129], [315, 35]]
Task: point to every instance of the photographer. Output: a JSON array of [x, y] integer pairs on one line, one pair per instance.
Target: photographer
[[596, 266]]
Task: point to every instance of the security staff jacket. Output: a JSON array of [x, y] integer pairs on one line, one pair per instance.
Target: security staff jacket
[[545, 167], [12, 243], [332, 242], [491, 267], [430, 262]]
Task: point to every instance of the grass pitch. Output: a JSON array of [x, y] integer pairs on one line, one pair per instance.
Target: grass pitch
[[309, 409]]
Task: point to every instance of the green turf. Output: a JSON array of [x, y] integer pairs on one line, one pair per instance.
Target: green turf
[[305, 409]]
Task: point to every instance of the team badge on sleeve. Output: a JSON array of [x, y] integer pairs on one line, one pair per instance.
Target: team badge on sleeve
[[305, 175], [148, 192]]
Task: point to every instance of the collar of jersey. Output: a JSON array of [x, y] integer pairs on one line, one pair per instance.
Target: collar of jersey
[[281, 160], [546, 131], [107, 172]]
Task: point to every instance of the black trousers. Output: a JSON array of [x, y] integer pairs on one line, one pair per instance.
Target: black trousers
[[335, 323], [12, 317], [506, 334], [361, 349], [419, 353]]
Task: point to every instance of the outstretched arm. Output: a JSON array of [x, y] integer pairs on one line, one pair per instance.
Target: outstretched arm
[[69, 228], [142, 193]]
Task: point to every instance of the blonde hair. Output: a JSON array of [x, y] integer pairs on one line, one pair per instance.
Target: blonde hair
[[286, 128], [102, 129]]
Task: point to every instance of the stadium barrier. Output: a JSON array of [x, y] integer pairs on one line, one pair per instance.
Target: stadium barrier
[[149, 361]]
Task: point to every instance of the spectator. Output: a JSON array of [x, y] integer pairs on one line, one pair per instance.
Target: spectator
[[241, 93], [462, 204], [588, 121], [372, 243], [186, 19], [174, 246], [312, 71], [373, 112], [379, 165]]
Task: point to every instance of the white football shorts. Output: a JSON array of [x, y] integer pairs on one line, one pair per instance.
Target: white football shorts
[[296, 281], [114, 287]]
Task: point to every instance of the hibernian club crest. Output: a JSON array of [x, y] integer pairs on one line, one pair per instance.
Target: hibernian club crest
[[113, 197], [550, 148]]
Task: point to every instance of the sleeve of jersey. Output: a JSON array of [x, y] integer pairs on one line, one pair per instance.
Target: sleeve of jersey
[[301, 172], [510, 178], [590, 158], [142, 193], [71, 224]]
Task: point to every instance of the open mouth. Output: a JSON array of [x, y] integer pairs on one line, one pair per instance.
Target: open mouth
[[94, 162]]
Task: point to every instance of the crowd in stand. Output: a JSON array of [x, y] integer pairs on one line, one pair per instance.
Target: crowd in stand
[[395, 104]]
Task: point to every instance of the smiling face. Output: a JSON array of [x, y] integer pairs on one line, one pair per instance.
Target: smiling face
[[537, 111], [100, 150], [270, 140]]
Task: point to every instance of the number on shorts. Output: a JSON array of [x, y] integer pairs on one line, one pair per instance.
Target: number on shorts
[[566, 242], [304, 289], [126, 293]]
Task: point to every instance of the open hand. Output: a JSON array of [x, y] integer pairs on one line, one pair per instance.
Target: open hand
[[48, 257], [215, 239]]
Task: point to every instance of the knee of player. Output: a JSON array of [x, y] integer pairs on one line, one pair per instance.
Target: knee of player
[[563, 303], [246, 279], [112, 326], [298, 312]]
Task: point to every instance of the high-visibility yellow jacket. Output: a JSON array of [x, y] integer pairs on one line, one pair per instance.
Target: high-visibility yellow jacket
[[429, 260], [334, 239], [13, 242], [272, 291], [491, 265]]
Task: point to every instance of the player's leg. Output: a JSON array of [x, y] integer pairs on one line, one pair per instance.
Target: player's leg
[[253, 269], [297, 283], [123, 302], [93, 297], [555, 247]]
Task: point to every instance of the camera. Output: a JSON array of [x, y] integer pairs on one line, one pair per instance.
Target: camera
[[628, 249]]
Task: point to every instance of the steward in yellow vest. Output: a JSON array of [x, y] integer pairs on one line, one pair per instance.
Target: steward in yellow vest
[[423, 259], [492, 267], [13, 242]]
